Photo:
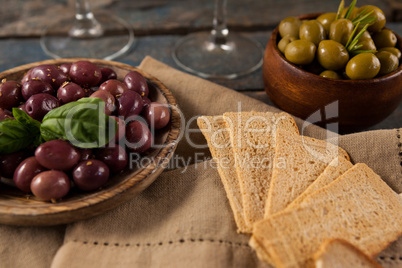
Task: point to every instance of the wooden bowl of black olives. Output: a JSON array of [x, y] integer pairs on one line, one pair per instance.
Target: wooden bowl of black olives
[[79, 137], [339, 68]]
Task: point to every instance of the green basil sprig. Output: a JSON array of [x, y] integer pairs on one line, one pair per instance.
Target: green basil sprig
[[17, 134], [83, 123]]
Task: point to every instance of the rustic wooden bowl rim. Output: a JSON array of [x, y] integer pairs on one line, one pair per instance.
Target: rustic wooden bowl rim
[[21, 216]]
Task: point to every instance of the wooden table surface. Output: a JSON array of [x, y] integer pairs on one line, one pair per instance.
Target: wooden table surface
[[158, 24]]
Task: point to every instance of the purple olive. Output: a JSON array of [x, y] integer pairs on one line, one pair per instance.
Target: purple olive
[[107, 74], [145, 101], [69, 92], [38, 105], [129, 104], [115, 157], [9, 162], [85, 74], [25, 173], [10, 94], [49, 73], [50, 185], [138, 137], [26, 77], [65, 68], [157, 115], [115, 87], [121, 129], [33, 87], [57, 154], [107, 98], [22, 107], [136, 82], [90, 174]]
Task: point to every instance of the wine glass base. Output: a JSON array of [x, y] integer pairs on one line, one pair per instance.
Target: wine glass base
[[197, 54], [117, 40]]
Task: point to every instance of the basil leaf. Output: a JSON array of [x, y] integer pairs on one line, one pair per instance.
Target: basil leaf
[[25, 119], [30, 123], [82, 122], [14, 136]]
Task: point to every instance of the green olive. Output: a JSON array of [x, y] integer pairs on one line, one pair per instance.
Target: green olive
[[326, 19], [330, 74], [290, 27], [340, 31], [312, 31], [284, 42], [332, 55], [363, 66], [367, 42], [380, 20], [300, 52], [393, 50], [384, 38], [389, 62]]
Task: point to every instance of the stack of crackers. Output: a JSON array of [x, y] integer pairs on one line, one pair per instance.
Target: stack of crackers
[[293, 193]]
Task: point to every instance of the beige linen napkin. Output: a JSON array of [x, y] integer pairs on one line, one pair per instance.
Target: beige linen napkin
[[184, 219]]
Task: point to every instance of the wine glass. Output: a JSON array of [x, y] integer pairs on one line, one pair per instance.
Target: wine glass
[[87, 35], [218, 54]]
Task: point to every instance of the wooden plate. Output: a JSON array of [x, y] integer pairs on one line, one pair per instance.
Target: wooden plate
[[17, 208]]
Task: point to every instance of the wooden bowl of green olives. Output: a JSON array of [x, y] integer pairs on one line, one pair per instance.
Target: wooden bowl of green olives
[[314, 76]]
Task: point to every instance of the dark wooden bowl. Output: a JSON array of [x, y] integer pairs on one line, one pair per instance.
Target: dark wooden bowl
[[353, 104], [17, 208]]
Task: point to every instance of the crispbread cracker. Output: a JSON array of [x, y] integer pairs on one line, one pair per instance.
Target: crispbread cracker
[[336, 168], [215, 132], [252, 135], [358, 207], [338, 253], [303, 160]]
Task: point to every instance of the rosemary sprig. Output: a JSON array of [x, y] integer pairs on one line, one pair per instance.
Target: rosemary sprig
[[350, 9], [352, 44], [363, 18], [340, 10], [352, 35], [358, 51]]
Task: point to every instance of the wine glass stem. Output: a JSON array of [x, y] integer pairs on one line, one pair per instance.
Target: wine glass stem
[[86, 25], [220, 31]]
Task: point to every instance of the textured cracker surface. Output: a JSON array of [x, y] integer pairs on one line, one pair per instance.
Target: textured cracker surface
[[253, 141], [336, 168], [298, 162], [358, 207], [215, 132]]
